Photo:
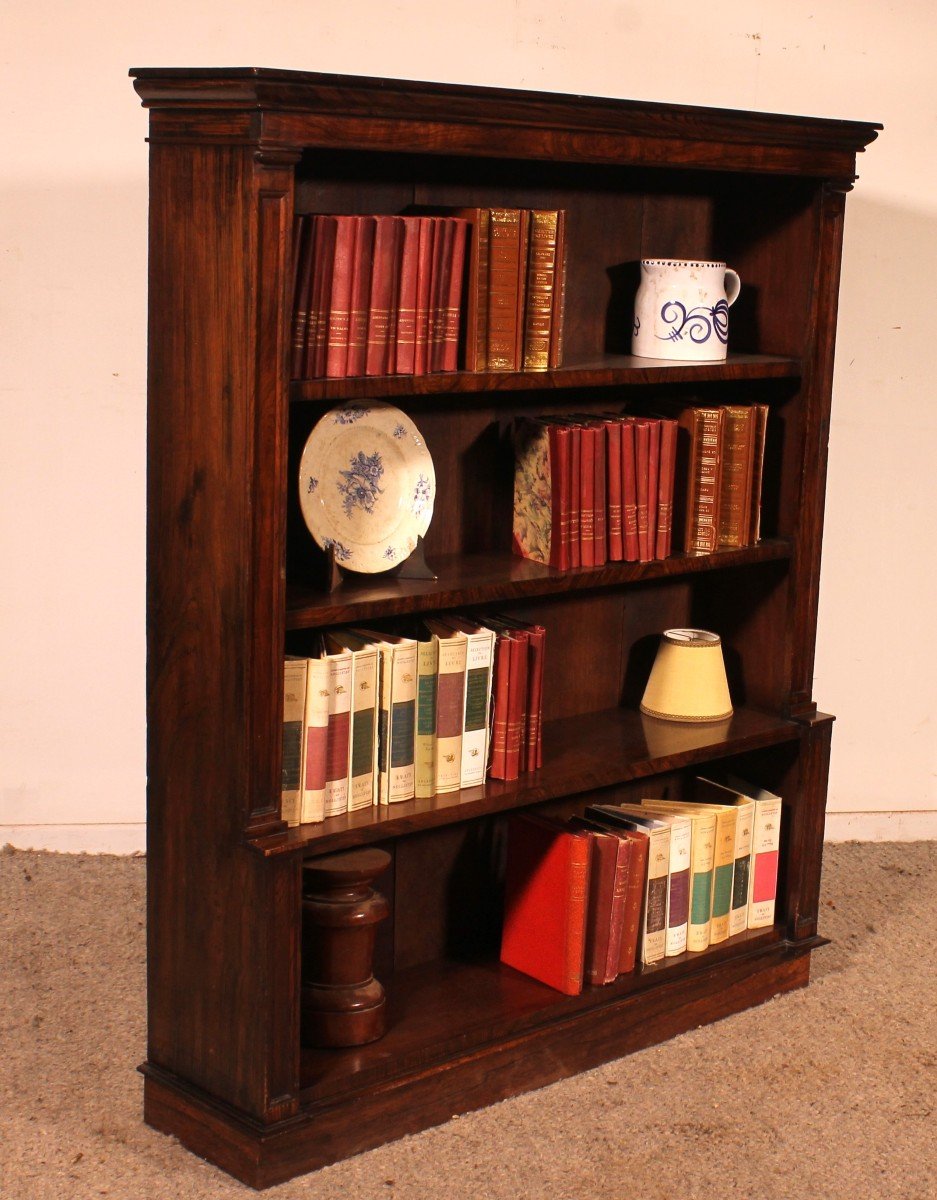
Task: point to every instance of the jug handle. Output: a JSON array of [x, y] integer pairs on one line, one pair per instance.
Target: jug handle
[[733, 286]]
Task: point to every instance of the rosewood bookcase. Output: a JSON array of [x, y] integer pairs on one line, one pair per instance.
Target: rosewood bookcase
[[234, 154]]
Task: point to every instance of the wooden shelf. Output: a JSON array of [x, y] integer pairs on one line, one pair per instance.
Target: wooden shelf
[[581, 753], [468, 579], [445, 1009], [614, 370]]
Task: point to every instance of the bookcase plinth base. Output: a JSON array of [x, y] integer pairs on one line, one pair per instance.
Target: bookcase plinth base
[[320, 1134]]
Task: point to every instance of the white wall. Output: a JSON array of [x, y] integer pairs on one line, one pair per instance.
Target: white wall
[[73, 329]]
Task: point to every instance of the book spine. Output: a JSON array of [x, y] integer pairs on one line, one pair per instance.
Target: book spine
[[600, 526], [668, 459], [629, 493], [637, 877], [735, 477], [575, 494], [316, 737], [678, 896], [362, 777], [766, 846], [363, 262], [619, 899], [702, 516], [587, 497], [453, 298], [407, 296], [654, 940], [653, 485], [442, 273], [517, 704], [758, 464], [340, 298], [302, 295], [541, 281], [424, 283], [642, 438], [536, 648], [701, 882], [602, 873], [504, 266], [613, 481], [294, 707], [402, 732], [476, 309], [723, 871], [578, 891], [425, 760], [383, 297], [561, 480], [339, 734], [478, 664], [558, 317], [741, 875], [499, 725], [385, 663], [450, 706]]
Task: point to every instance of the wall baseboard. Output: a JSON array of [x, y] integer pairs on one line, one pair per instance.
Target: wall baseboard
[[905, 826], [130, 838], [127, 838]]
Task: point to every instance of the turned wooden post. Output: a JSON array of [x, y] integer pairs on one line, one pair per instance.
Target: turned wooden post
[[342, 1002]]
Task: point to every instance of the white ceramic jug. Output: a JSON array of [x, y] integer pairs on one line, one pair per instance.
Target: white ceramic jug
[[681, 310]]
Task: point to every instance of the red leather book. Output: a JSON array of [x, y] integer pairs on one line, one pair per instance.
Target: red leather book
[[317, 324], [340, 298], [629, 492], [362, 264], [653, 484], [623, 852], [560, 449], [536, 649], [634, 897], [575, 491], [475, 295], [424, 283], [641, 446], [439, 290], [381, 355], [613, 492], [668, 459], [302, 294], [517, 704], [453, 298], [546, 902], [601, 901], [600, 552], [497, 768], [587, 497], [407, 296]]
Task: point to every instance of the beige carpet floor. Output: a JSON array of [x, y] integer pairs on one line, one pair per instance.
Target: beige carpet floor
[[827, 1092]]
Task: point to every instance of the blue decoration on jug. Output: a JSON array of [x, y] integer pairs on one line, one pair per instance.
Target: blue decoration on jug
[[698, 323]]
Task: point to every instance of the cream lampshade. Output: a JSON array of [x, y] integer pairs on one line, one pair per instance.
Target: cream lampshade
[[688, 679]]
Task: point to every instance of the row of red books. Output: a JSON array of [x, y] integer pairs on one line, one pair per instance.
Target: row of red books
[[590, 490], [588, 899], [517, 698], [376, 295]]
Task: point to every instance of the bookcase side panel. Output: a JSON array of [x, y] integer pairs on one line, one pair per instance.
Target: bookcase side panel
[[222, 928]]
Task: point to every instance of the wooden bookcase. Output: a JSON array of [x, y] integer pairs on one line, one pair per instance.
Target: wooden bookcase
[[233, 155]]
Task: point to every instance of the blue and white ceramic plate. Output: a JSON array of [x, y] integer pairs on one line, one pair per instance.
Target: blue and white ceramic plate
[[367, 485]]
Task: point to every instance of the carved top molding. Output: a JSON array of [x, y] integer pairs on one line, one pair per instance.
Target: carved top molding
[[276, 110]]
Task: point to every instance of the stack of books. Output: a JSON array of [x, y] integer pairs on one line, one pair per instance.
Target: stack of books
[[589, 899], [376, 295], [379, 718], [594, 489]]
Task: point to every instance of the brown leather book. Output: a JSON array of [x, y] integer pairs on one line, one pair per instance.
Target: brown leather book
[[439, 290], [703, 436], [340, 297], [558, 316], [317, 325], [407, 296], [668, 458], [540, 284], [517, 704], [625, 849], [601, 900], [452, 299], [497, 768], [653, 484], [362, 264], [629, 492], [381, 353], [735, 476], [424, 283], [302, 293], [758, 463], [507, 269]]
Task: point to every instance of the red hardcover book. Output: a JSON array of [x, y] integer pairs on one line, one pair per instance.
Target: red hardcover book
[[497, 768], [407, 296], [362, 264], [546, 902], [587, 496], [613, 489], [634, 899], [517, 704], [623, 852], [653, 484], [340, 298], [536, 649], [629, 492], [575, 491], [601, 901], [641, 444], [424, 283], [453, 297], [317, 324], [380, 358], [600, 552], [439, 291], [302, 294], [668, 459]]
